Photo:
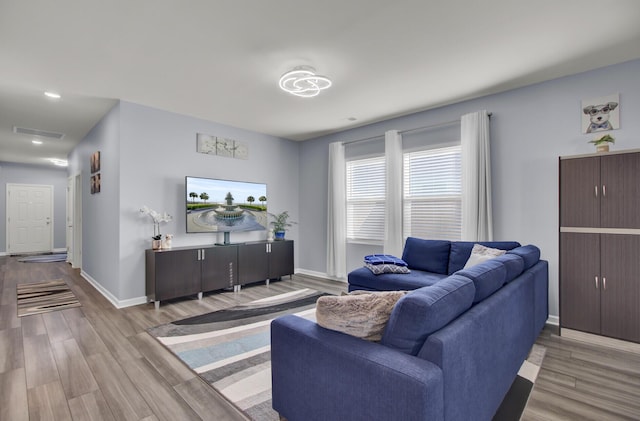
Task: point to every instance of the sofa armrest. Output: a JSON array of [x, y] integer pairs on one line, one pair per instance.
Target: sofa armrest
[[320, 374]]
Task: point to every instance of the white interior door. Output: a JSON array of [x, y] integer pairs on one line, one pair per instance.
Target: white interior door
[[69, 219], [29, 218], [76, 261]]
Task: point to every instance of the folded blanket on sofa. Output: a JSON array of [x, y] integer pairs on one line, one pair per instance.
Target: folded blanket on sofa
[[384, 259], [379, 269]]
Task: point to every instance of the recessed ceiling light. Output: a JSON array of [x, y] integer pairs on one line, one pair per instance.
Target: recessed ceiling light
[[36, 142], [52, 95], [59, 162]]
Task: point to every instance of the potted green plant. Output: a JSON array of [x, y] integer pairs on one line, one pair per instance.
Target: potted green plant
[[280, 223], [602, 144]]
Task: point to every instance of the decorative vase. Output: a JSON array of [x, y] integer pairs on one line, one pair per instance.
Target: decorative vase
[[279, 235], [156, 244], [602, 148], [270, 235]]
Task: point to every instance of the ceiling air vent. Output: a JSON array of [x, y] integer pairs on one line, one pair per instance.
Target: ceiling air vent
[[36, 132]]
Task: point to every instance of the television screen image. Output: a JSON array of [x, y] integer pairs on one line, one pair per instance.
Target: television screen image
[[214, 205]]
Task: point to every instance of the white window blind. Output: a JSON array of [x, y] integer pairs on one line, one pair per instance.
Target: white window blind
[[365, 200], [433, 194]]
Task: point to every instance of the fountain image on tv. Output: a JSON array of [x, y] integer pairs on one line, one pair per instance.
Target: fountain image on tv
[[214, 205]]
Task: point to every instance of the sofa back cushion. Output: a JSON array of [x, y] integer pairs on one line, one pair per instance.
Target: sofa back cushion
[[514, 265], [426, 310], [427, 255], [461, 250], [487, 278], [530, 254]]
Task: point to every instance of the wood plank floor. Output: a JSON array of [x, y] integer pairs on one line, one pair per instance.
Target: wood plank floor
[[98, 363]]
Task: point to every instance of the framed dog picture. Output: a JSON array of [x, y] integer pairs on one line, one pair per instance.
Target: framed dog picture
[[601, 114]]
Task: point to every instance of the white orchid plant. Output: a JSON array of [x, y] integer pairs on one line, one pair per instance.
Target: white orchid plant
[[157, 219]]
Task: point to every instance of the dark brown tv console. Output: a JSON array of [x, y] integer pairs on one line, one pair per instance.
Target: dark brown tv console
[[183, 271]]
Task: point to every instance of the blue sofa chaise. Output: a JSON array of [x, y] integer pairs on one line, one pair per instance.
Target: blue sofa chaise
[[450, 350]]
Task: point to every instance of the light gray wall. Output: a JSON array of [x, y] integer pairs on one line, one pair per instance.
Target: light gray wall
[[158, 149], [146, 154], [36, 174], [530, 128], [100, 216]]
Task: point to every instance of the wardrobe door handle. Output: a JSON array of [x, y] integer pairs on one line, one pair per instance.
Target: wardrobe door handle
[[199, 254], [595, 190], [596, 282], [604, 191], [202, 254], [604, 283]]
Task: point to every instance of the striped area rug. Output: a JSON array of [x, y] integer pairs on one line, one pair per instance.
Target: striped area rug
[[44, 297], [230, 349]]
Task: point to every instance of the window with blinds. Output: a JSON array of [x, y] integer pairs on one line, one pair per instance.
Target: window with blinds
[[433, 194], [365, 200]]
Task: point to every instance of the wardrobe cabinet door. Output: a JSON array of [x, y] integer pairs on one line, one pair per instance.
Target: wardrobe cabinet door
[[580, 282], [580, 192], [620, 184], [620, 292]]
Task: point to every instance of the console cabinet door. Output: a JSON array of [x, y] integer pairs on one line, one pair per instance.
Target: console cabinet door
[[219, 267], [580, 192], [177, 274], [579, 290], [620, 184], [281, 259], [253, 263], [620, 293]]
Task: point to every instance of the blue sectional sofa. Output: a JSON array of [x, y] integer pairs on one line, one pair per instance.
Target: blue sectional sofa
[[450, 351]]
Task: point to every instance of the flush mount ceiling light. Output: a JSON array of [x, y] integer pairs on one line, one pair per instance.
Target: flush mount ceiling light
[[58, 162], [303, 81], [36, 142], [52, 95]]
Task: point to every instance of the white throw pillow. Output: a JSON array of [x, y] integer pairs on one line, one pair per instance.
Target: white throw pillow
[[480, 254]]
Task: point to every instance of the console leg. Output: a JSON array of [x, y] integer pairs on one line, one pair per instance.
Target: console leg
[[267, 282], [156, 303], [200, 295]]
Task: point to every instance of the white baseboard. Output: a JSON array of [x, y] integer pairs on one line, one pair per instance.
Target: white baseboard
[[60, 250], [553, 320], [318, 274], [109, 296]]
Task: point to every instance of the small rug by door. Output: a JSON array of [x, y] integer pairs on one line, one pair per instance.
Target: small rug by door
[[44, 297], [230, 350], [44, 258]]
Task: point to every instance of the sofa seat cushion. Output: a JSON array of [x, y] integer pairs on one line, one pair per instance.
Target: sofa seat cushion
[[427, 255], [426, 310], [363, 279], [360, 314], [530, 254], [461, 250], [487, 277], [514, 265]]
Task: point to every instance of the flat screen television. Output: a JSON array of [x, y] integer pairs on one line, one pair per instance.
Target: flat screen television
[[215, 205]]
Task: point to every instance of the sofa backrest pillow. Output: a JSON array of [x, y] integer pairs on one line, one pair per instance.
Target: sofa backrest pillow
[[461, 250], [514, 265], [529, 253], [427, 255], [487, 277], [426, 310]]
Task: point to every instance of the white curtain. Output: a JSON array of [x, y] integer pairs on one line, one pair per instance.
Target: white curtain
[[336, 213], [476, 177], [393, 200]]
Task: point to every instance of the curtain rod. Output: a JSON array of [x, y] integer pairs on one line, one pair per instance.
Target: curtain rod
[[415, 129]]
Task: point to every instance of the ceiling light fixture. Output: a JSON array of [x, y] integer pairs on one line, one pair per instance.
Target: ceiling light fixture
[[36, 142], [52, 95], [303, 81], [59, 162]]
